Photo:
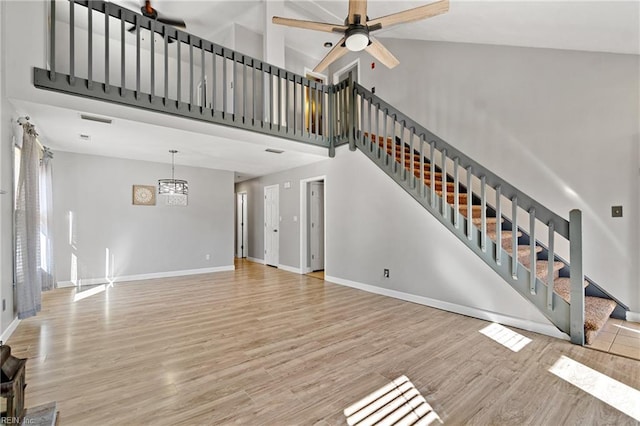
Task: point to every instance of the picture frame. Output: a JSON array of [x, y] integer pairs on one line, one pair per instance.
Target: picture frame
[[143, 195]]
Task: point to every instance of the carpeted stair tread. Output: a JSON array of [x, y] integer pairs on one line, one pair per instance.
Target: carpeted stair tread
[[596, 313], [476, 211], [562, 286], [507, 245], [541, 268], [437, 175], [478, 221], [505, 234]]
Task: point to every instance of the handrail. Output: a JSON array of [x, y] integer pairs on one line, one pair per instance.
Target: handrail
[[412, 156], [524, 201]]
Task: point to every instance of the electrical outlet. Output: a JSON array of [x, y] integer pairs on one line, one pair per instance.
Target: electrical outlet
[[616, 211], [386, 273], [208, 257], [4, 305]]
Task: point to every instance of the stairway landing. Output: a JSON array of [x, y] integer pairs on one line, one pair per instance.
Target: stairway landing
[[619, 337]]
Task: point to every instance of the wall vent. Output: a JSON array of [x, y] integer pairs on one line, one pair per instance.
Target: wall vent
[[274, 151], [97, 119], [85, 137]]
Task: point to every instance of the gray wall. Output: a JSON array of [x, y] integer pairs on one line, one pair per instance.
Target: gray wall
[[372, 224], [142, 239], [562, 126], [6, 184]]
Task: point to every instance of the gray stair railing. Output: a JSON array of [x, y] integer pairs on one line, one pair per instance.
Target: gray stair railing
[[411, 155], [103, 51]]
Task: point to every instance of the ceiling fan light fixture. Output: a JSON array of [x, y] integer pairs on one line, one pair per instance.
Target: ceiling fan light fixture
[[357, 39]]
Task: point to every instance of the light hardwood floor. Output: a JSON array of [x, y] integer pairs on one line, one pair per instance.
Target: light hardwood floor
[[263, 346]]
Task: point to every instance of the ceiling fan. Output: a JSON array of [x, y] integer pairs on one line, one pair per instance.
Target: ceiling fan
[[357, 28], [151, 13]]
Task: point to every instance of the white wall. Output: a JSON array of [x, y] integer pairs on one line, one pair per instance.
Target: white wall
[[142, 239], [372, 224], [562, 126]]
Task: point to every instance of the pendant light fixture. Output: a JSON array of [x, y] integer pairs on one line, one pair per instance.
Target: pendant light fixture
[[174, 190]]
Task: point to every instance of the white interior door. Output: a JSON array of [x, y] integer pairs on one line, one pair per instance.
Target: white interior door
[[271, 225], [316, 226], [242, 233]]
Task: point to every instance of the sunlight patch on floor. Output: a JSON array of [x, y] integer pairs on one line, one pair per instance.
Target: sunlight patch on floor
[[397, 403], [88, 293], [610, 391], [627, 328], [507, 338]]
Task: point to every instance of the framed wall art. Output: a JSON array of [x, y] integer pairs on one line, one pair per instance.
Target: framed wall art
[[144, 195]]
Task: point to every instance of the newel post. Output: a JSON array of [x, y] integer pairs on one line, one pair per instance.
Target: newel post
[[577, 277]]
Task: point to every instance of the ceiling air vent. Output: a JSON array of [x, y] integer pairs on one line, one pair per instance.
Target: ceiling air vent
[[85, 137], [274, 151], [94, 118]]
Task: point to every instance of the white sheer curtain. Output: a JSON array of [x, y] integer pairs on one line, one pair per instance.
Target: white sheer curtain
[[46, 220], [27, 227]]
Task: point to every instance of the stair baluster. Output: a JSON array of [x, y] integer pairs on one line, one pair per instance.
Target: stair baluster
[[532, 252], [514, 237], [498, 225], [443, 168], [456, 192], [550, 261], [483, 213]]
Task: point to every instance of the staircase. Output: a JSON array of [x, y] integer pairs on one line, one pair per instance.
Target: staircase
[[402, 157], [510, 231]]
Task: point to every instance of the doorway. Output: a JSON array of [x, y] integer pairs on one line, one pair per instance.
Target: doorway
[[271, 225], [313, 226], [242, 233], [342, 74]]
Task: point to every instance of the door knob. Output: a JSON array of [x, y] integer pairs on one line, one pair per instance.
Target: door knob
[[275, 230]]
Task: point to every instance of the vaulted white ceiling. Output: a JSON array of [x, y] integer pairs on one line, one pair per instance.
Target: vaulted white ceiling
[[604, 26], [591, 25]]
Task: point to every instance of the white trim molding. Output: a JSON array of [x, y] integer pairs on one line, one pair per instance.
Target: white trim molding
[[546, 329], [9, 331], [290, 269], [255, 260], [633, 316], [150, 276]]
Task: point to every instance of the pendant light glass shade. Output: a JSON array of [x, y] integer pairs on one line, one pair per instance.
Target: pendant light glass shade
[[175, 190]]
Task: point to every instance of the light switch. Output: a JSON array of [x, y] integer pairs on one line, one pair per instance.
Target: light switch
[[295, 218]]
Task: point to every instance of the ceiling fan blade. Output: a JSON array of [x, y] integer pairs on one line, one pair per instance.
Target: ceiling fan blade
[[338, 51], [381, 53], [410, 15], [358, 8], [309, 25], [173, 22]]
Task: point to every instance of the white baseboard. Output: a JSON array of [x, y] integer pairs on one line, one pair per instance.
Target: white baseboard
[[9, 331], [546, 329], [154, 275], [290, 269], [633, 316], [255, 260]]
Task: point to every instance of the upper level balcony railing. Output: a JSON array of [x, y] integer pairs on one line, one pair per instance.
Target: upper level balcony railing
[[103, 51]]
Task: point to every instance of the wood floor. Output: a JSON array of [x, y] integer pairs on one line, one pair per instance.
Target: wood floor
[[263, 346]]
